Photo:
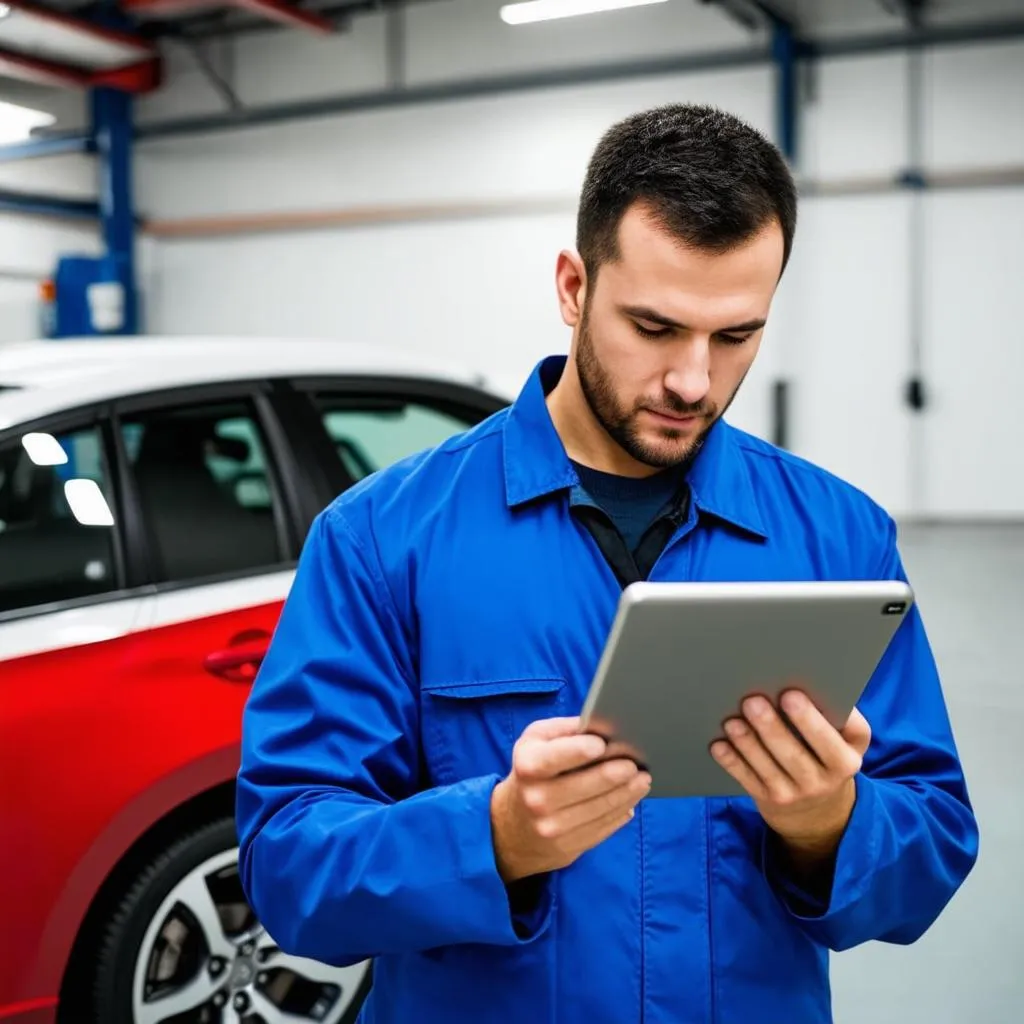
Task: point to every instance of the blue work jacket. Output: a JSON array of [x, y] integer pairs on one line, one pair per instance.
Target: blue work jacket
[[446, 602]]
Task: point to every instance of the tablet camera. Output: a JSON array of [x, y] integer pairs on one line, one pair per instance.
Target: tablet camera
[[894, 608]]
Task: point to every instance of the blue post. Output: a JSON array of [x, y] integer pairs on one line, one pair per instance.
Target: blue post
[[786, 103], [112, 130]]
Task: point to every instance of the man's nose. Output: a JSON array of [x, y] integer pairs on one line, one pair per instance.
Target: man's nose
[[690, 378]]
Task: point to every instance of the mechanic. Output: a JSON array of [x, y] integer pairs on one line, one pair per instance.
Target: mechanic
[[413, 786]]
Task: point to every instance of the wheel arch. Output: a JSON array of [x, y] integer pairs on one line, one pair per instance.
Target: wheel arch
[[196, 794]]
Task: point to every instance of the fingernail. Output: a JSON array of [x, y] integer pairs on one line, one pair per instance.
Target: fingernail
[[794, 701], [734, 727], [756, 707]]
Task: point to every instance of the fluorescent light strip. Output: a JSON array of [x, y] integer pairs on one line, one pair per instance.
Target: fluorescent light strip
[[546, 10]]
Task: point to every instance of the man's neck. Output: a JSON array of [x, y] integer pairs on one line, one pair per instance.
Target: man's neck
[[583, 437]]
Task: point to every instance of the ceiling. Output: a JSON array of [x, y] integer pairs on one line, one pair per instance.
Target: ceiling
[[46, 53]]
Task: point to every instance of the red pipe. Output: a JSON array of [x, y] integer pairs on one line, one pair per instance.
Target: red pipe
[[275, 10]]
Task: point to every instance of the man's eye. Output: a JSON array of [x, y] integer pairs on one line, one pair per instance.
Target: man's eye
[[648, 333], [734, 339]]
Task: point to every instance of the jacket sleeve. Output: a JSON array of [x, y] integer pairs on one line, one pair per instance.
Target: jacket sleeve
[[343, 855], [912, 838]]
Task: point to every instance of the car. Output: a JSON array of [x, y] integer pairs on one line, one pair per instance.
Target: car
[[154, 497]]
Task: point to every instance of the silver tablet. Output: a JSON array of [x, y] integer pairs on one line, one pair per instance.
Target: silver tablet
[[681, 657]]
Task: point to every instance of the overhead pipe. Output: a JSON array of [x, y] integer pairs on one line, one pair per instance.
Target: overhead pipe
[[279, 11]]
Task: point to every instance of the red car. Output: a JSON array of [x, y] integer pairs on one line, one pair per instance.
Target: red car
[[154, 496]]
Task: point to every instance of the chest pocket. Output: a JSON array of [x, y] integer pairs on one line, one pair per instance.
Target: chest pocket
[[470, 728]]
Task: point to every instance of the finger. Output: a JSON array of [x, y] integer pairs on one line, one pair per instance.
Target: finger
[[729, 758], [584, 824], [534, 758], [824, 739], [780, 745], [552, 728], [749, 746], [548, 796]]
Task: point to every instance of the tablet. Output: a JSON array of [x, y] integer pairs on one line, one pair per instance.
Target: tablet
[[681, 657]]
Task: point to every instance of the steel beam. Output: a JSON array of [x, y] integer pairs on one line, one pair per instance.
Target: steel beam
[[39, 205], [787, 99], [112, 127], [452, 91], [48, 145]]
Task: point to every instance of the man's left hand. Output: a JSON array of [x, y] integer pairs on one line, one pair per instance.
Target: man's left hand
[[805, 798]]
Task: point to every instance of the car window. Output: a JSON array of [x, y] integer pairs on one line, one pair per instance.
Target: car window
[[56, 519], [208, 501], [371, 433]]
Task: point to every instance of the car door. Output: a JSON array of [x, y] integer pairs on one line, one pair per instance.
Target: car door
[[216, 524]]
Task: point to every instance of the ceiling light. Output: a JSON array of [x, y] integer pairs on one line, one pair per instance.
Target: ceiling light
[[18, 123], [4, 11], [546, 10]]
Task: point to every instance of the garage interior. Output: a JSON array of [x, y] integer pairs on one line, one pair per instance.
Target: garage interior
[[403, 172]]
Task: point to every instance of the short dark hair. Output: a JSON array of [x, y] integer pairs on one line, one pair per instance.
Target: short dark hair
[[711, 179]]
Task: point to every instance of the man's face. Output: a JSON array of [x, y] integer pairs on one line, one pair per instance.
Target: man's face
[[667, 335]]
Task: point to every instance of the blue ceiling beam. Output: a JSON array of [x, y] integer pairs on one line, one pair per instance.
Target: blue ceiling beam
[[48, 145], [40, 205]]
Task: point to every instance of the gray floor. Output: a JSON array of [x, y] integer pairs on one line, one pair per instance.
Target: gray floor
[[969, 969]]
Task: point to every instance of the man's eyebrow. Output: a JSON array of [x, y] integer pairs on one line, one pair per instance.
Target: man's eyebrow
[[653, 317]]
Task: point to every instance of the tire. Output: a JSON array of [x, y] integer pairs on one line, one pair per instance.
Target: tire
[[184, 939]]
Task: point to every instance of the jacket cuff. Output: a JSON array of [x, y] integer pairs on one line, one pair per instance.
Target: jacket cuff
[[526, 904], [843, 879]]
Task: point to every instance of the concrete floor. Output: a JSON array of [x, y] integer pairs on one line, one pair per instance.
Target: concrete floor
[[969, 968]]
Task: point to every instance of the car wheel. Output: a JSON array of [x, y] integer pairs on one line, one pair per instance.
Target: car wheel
[[184, 947]]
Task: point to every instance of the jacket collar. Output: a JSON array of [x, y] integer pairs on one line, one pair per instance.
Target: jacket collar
[[536, 464]]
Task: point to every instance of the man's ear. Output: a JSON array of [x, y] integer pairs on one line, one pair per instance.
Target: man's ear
[[571, 284]]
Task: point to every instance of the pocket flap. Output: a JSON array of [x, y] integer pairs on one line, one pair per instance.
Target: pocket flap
[[478, 689]]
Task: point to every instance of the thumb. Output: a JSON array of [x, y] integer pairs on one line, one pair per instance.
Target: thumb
[[552, 728], [857, 732]]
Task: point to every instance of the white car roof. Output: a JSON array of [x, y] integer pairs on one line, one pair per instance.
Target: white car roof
[[47, 376]]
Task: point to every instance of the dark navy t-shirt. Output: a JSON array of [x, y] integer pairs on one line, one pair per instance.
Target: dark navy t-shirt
[[631, 503]]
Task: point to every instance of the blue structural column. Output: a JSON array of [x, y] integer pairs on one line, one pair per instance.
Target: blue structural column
[[113, 131], [784, 50]]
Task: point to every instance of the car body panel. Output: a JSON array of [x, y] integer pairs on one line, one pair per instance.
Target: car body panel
[[145, 694]]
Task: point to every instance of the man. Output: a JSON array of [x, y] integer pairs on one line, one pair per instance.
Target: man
[[414, 786]]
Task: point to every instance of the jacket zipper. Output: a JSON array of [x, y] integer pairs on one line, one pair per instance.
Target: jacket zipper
[[711, 938], [643, 915]]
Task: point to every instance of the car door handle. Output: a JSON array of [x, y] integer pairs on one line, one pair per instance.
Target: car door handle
[[237, 664]]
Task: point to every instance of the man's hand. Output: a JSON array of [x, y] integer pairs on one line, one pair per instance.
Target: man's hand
[[555, 804], [805, 798]]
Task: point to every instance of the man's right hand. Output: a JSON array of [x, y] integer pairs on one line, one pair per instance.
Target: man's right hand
[[556, 804]]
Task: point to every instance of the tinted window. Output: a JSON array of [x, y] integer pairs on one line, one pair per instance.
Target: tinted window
[[207, 498], [370, 433], [56, 519]]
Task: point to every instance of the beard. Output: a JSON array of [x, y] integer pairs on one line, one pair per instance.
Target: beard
[[623, 424]]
